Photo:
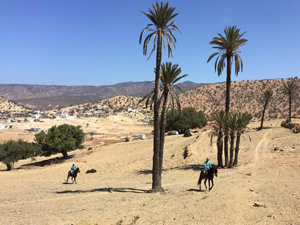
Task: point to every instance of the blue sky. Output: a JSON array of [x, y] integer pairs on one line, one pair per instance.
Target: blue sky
[[95, 42]]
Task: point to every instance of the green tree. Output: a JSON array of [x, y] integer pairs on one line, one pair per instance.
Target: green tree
[[228, 51], [13, 151], [188, 119], [60, 139], [161, 29], [267, 96], [290, 88]]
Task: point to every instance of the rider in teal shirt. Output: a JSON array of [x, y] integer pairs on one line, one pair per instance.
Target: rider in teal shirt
[[207, 165], [73, 167]]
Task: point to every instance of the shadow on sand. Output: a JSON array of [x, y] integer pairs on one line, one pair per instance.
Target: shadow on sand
[[196, 190], [47, 162], [110, 190], [194, 167]]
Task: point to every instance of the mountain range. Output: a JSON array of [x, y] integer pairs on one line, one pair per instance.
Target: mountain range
[[51, 96]]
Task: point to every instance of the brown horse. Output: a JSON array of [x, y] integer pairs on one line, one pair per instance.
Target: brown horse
[[73, 175], [209, 176]]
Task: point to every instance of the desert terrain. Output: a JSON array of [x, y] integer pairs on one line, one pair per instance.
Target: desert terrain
[[36, 192]]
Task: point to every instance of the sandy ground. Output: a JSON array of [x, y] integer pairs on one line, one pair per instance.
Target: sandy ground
[[35, 193]]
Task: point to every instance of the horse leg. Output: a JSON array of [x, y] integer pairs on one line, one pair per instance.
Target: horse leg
[[205, 183], [199, 181], [209, 188], [67, 179], [212, 184]]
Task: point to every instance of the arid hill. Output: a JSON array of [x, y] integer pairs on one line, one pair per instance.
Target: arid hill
[[245, 97], [51, 96], [6, 105]]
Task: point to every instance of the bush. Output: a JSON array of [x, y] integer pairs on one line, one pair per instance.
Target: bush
[[13, 151], [60, 139], [187, 133], [188, 119], [127, 139]]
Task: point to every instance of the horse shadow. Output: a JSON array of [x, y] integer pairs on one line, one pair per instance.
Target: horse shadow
[[109, 190]]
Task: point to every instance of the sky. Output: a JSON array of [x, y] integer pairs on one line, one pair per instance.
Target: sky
[[95, 42]]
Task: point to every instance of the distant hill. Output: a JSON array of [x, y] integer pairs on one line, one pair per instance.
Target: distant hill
[[7, 105], [245, 97], [51, 96]]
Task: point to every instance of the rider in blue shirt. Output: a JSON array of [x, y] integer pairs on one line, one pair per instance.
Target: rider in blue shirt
[[207, 165], [73, 167]]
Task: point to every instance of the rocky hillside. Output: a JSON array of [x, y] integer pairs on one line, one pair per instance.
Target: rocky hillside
[[245, 97], [6, 105], [51, 96]]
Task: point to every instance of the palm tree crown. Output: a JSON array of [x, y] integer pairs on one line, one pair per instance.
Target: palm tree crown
[[161, 26], [290, 88], [170, 75], [228, 47]]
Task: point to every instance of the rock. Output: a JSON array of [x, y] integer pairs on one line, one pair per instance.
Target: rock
[[251, 189], [248, 174], [91, 171], [276, 148], [258, 204]]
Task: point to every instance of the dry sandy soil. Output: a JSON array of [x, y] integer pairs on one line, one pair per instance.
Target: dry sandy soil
[[36, 193]]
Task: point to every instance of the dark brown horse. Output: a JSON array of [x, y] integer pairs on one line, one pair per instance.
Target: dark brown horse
[[209, 176], [73, 175]]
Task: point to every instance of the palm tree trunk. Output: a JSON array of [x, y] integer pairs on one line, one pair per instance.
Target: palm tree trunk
[[237, 148], [232, 137], [290, 108], [162, 130], [263, 116], [220, 147], [228, 83], [156, 176]]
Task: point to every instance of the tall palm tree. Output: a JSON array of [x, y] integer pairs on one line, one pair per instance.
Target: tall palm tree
[[228, 51], [219, 118], [290, 88], [170, 75], [243, 119], [267, 96], [161, 28]]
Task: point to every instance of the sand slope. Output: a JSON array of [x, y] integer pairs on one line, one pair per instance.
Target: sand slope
[[116, 194]]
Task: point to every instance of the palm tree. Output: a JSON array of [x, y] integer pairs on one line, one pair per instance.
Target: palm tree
[[290, 88], [243, 119], [266, 98], [219, 119], [228, 51], [232, 125], [170, 75], [161, 28]]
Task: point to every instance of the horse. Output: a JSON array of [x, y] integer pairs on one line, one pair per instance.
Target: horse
[[209, 176], [73, 175]]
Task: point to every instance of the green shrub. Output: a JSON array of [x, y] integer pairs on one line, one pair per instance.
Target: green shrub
[[127, 139], [12, 151], [60, 139], [188, 119], [187, 133]]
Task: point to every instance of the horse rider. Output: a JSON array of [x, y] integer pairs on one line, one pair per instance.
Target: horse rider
[[73, 167], [207, 166]]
